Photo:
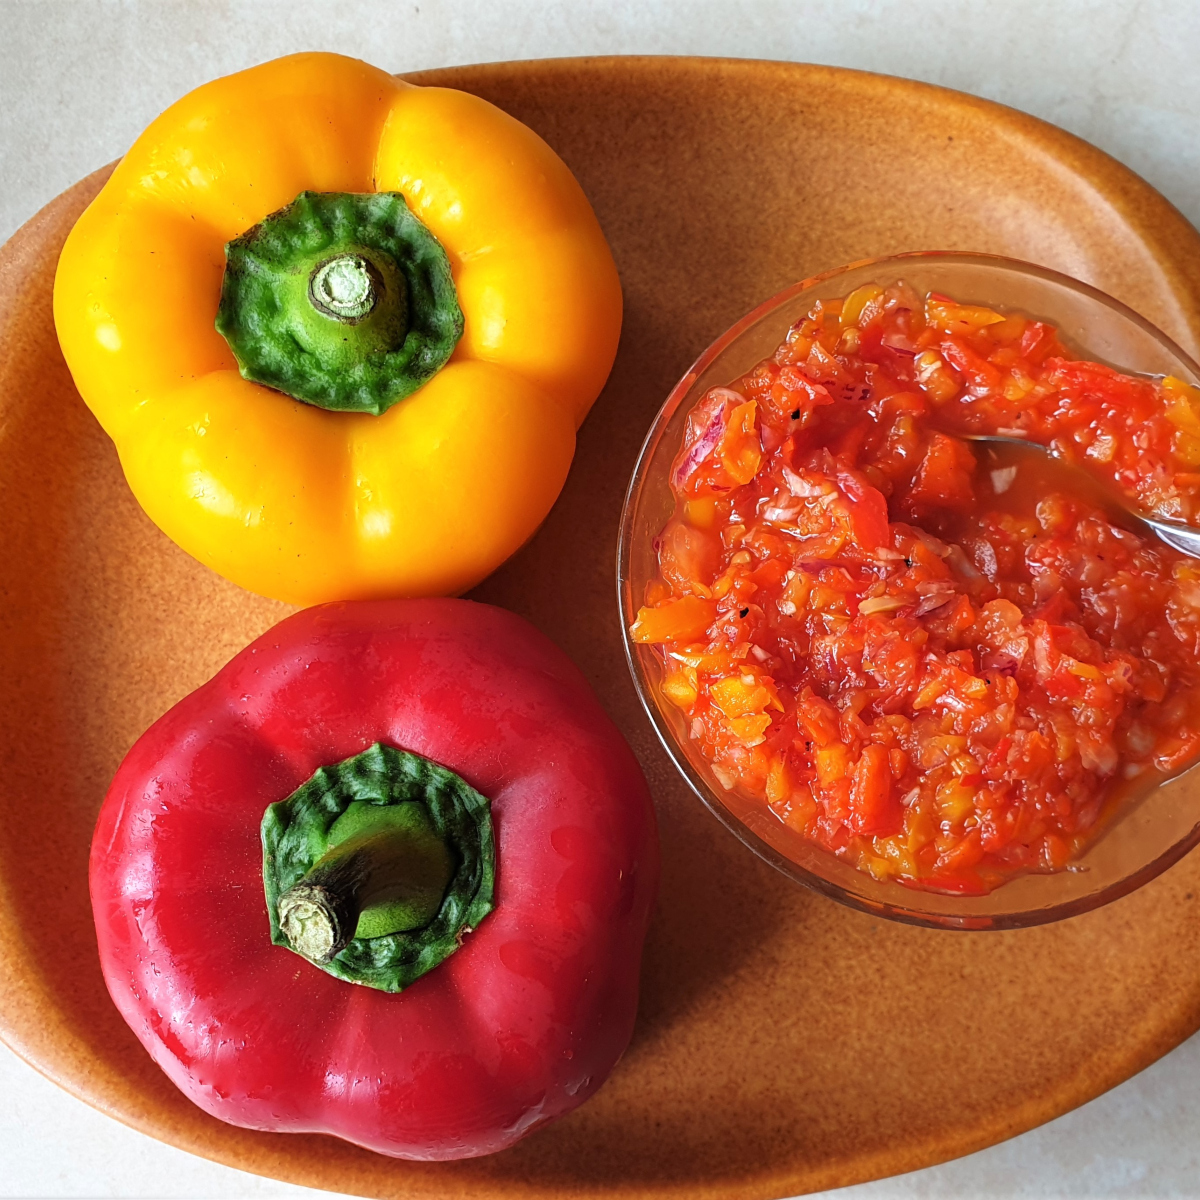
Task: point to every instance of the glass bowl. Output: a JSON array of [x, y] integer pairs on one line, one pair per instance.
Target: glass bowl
[[1151, 833]]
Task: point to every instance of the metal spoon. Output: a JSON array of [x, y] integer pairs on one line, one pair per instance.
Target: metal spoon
[[1184, 538]]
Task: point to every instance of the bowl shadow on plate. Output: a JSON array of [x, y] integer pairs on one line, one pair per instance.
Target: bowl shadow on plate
[[714, 907], [719, 907]]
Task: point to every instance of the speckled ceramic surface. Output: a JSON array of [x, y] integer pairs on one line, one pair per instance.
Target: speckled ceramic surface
[[784, 1043]]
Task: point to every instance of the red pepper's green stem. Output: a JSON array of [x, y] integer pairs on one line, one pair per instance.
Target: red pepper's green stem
[[316, 921], [376, 867], [387, 878]]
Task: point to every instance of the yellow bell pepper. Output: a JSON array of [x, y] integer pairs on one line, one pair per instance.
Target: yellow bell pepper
[[441, 374]]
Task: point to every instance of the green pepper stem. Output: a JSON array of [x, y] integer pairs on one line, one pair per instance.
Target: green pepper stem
[[404, 903], [343, 300], [382, 874], [317, 921], [345, 288]]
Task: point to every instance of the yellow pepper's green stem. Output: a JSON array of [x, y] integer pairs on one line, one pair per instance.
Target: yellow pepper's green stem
[[342, 300], [345, 288]]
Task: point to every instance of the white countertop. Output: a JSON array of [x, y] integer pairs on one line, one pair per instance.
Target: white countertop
[[79, 81]]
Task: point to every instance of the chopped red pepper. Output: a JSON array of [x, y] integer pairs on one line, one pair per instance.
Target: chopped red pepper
[[928, 659], [944, 477]]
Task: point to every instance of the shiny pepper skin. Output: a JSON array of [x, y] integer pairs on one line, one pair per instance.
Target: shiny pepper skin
[[517, 1027], [284, 498]]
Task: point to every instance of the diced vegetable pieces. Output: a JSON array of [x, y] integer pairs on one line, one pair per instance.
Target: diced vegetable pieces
[[959, 318], [943, 674], [682, 620], [944, 476], [739, 449], [873, 808]]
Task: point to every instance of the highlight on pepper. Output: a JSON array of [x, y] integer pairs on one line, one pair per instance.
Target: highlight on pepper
[[386, 876], [341, 328]]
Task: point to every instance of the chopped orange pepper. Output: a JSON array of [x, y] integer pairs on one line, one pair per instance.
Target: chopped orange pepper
[[680, 620]]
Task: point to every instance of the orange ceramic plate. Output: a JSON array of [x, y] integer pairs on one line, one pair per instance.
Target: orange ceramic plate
[[785, 1043]]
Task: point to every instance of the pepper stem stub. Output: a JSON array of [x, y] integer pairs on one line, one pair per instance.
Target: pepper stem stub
[[343, 300], [312, 918], [345, 288], [375, 867]]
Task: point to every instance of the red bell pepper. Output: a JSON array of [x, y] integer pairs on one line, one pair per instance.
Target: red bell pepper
[[505, 1019]]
